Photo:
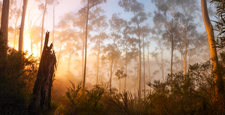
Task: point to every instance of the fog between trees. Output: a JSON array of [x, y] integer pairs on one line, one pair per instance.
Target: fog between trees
[[146, 40]]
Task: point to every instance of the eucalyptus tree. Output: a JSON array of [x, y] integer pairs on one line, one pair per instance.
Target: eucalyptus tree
[[171, 35], [20, 48], [72, 48], [53, 21], [79, 22], [43, 7], [34, 30], [112, 50], [15, 14], [218, 80], [158, 32], [99, 25], [136, 23], [120, 74], [185, 13], [149, 74], [4, 20], [111, 55], [89, 5], [121, 27]]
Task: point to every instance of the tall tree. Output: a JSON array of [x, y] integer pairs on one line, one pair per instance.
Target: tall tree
[[111, 55], [171, 35], [90, 4], [184, 13], [213, 53], [157, 32], [139, 17], [15, 14], [99, 25], [43, 7], [149, 76], [20, 48], [53, 30], [4, 20]]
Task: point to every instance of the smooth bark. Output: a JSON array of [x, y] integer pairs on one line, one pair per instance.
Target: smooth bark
[[125, 79], [139, 69], [144, 67], [20, 48], [185, 52], [171, 61], [85, 61], [149, 71], [42, 26], [213, 53], [5, 20]]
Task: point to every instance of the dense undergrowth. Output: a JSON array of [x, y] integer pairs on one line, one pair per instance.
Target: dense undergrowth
[[179, 94], [17, 76]]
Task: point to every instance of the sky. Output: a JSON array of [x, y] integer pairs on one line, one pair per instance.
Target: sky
[[66, 6]]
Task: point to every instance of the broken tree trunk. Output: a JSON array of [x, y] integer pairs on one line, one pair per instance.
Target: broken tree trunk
[[43, 83]]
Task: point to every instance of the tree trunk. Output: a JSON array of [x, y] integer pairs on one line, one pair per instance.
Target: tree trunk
[[139, 69], [15, 32], [119, 85], [125, 79], [110, 79], [43, 83], [5, 19], [181, 63], [171, 61], [185, 51], [134, 76], [219, 88], [149, 71], [85, 61], [98, 63], [83, 54], [162, 66], [144, 67], [20, 48], [42, 26], [53, 30]]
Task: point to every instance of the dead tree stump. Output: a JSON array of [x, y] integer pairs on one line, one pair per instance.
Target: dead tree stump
[[42, 88]]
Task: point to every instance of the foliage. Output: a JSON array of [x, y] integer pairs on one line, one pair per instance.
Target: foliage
[[187, 94], [84, 104], [220, 22], [17, 80], [179, 94]]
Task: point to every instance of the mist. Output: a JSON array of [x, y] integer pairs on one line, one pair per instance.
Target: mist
[[121, 45]]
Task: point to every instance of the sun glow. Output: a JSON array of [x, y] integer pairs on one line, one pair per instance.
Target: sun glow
[[34, 50]]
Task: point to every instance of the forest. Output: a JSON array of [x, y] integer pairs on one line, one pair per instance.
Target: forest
[[112, 57]]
